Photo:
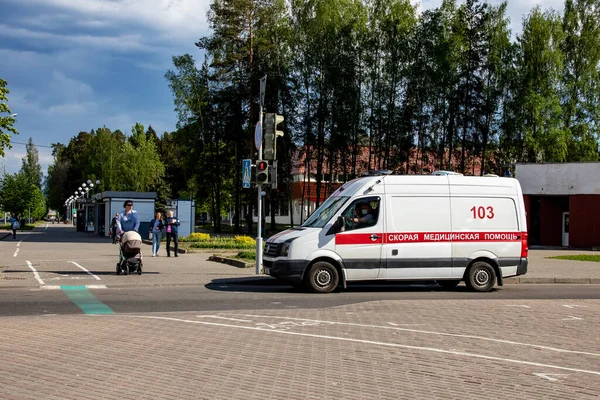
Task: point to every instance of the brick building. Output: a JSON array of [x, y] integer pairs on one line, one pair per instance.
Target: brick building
[[562, 201]]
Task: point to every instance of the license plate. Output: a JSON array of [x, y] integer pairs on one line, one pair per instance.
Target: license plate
[[267, 271]]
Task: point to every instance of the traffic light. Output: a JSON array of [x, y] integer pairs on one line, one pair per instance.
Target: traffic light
[[270, 134], [262, 172], [273, 175]]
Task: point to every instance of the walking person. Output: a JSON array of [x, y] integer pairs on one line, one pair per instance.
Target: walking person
[[14, 225], [129, 219], [113, 228], [172, 233], [156, 227]]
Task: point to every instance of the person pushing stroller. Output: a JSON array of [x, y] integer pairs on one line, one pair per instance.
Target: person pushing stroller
[[130, 252], [129, 219]]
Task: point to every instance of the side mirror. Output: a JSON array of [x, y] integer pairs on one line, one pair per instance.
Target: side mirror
[[339, 223]]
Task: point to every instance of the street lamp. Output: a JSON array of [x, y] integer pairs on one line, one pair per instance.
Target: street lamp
[[13, 115]]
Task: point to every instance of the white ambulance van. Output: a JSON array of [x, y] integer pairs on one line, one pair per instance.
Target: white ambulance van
[[442, 228]]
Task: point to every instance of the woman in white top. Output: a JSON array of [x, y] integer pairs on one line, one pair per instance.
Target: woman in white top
[[156, 227]]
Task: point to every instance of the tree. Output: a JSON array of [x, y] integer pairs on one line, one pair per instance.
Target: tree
[[6, 122], [20, 196], [143, 169], [541, 67], [580, 92], [31, 167]]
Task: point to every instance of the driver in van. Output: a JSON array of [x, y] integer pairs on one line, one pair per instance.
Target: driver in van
[[364, 217]]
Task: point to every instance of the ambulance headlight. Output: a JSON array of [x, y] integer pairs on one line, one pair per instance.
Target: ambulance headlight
[[285, 247]]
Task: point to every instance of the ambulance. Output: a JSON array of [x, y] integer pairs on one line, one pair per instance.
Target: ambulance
[[442, 228]]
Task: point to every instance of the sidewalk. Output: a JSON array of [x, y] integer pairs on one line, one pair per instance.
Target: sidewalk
[[544, 270]]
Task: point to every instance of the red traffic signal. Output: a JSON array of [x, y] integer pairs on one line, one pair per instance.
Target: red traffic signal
[[262, 165], [262, 172]]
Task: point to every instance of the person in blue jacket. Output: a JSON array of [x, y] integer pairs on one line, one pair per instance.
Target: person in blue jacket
[[172, 233], [129, 219]]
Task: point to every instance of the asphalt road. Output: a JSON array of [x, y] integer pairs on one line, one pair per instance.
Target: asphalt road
[[265, 294], [61, 256]]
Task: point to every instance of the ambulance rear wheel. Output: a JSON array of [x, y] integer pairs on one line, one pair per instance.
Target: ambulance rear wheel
[[480, 277], [322, 277]]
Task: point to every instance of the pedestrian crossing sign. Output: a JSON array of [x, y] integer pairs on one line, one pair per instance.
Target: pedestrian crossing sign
[[246, 173]]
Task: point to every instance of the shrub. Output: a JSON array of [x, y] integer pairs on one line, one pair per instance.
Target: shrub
[[247, 255], [196, 237], [222, 243], [246, 240]]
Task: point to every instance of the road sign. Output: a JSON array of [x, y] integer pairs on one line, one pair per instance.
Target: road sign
[[263, 86], [258, 135], [246, 173]]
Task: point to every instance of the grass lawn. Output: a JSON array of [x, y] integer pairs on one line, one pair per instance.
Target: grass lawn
[[580, 257]]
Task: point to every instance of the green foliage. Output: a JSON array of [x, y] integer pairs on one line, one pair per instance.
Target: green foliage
[[579, 257], [246, 255], [31, 167], [220, 243], [6, 122], [18, 195], [142, 169], [120, 163]]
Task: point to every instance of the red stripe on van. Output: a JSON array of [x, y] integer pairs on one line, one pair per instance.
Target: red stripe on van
[[429, 237], [359, 238]]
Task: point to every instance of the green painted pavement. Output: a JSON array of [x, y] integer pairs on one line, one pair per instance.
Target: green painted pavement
[[85, 300]]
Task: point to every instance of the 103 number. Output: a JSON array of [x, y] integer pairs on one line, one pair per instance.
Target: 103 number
[[482, 212]]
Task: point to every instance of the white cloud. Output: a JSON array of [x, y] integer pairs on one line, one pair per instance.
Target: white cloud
[[69, 87], [71, 109], [176, 19], [125, 42]]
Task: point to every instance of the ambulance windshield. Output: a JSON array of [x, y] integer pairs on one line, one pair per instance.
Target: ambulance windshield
[[325, 212]]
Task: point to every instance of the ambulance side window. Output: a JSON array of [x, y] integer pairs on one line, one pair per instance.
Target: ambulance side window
[[362, 213]]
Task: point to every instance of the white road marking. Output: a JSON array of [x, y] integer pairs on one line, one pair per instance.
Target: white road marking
[[19, 244], [549, 376], [572, 318], [364, 341], [35, 273], [77, 265], [517, 305], [573, 305], [219, 317], [393, 324], [57, 287], [16, 252], [432, 333]]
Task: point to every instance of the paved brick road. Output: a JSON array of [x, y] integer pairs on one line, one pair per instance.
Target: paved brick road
[[383, 350]]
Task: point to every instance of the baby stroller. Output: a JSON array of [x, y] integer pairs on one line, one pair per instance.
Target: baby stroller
[[130, 254]]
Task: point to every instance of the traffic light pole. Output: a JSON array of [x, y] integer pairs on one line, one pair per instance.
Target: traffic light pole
[[259, 245]]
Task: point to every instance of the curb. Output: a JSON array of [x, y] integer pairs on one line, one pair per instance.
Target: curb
[[574, 281], [230, 261]]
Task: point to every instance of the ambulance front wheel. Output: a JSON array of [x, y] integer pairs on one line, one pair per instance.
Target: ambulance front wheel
[[322, 277], [480, 277]]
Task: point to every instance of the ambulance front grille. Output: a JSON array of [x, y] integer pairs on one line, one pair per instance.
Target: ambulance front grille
[[271, 249]]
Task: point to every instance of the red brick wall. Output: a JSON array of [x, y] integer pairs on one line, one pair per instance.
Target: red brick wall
[[584, 223], [551, 209]]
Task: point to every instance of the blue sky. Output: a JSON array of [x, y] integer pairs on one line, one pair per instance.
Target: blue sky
[[76, 65]]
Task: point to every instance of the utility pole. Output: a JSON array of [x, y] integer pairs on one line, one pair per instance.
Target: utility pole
[[258, 142]]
